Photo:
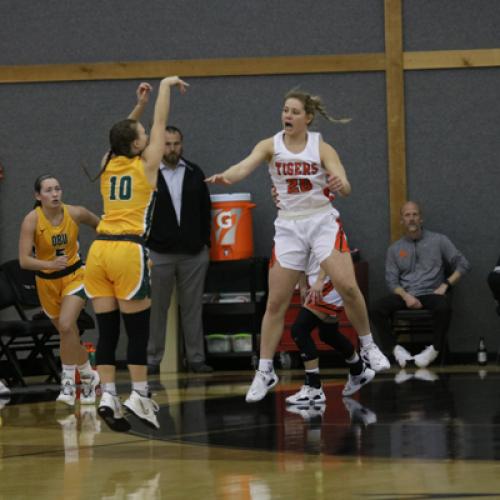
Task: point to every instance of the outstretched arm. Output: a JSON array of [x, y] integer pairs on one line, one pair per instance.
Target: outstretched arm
[[261, 152], [154, 151], [143, 92]]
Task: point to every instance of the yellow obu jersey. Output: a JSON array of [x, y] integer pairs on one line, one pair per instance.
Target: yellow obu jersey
[[128, 198], [54, 241]]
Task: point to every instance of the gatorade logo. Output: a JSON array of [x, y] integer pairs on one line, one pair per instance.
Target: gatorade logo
[[226, 223]]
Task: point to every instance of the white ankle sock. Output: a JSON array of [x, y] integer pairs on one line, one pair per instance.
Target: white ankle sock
[[85, 369], [266, 365], [313, 370], [109, 387], [68, 371], [141, 387], [366, 340]]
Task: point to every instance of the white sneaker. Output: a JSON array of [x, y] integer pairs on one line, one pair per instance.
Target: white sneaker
[[355, 382], [90, 425], [144, 408], [401, 355], [308, 412], [111, 411], [426, 375], [88, 385], [4, 390], [359, 413], [402, 376], [68, 392], [374, 357], [307, 395], [69, 422], [261, 383], [69, 426], [426, 357]]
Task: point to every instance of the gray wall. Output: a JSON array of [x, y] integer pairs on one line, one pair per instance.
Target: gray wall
[[451, 115]]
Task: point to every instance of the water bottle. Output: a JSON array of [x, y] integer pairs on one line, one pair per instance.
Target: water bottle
[[482, 353], [89, 346]]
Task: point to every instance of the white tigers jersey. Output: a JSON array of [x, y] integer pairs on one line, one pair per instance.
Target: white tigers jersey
[[299, 178]]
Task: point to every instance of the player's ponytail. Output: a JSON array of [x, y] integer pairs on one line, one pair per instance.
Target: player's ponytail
[[313, 104]]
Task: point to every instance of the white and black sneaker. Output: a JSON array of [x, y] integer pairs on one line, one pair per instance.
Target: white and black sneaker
[[4, 395], [68, 392], [90, 425], [261, 384], [88, 386], [144, 408], [111, 411], [374, 357], [355, 382], [307, 395], [401, 355], [308, 412], [4, 390], [359, 413]]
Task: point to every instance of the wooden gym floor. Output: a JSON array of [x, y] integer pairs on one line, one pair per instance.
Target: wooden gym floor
[[414, 434]]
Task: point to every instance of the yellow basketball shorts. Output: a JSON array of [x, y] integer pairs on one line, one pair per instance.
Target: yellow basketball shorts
[[117, 269], [52, 292]]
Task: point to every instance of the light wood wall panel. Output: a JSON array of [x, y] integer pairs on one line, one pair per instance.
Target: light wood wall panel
[[395, 111], [193, 68]]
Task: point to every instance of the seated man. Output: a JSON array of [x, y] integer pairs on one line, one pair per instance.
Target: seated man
[[415, 273], [494, 283]]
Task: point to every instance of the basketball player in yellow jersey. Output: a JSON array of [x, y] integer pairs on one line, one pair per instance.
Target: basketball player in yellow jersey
[[52, 230], [117, 277]]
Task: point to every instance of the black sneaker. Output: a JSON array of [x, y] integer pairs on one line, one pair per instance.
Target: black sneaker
[[200, 368], [153, 369]]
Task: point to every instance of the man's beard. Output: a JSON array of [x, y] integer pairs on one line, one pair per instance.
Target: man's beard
[[171, 159]]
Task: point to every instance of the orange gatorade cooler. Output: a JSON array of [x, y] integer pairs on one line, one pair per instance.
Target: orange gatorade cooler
[[232, 231]]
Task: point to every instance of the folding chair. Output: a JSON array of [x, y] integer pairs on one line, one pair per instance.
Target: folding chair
[[37, 335], [415, 326]]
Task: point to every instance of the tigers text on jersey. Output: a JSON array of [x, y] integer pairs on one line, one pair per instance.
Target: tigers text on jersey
[[299, 178], [128, 197], [55, 241]]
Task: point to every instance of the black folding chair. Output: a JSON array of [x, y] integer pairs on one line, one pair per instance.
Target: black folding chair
[[35, 336], [415, 326]]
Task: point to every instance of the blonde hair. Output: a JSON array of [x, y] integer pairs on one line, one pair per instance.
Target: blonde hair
[[313, 104]]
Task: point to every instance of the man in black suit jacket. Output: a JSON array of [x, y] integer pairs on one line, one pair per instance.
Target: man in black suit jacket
[[179, 241]]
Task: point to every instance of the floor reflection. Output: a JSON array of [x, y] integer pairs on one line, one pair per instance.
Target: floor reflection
[[413, 414]]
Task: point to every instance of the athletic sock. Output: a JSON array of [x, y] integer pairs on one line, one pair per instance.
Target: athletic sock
[[68, 371], [366, 339], [109, 387], [85, 369], [142, 388], [266, 365]]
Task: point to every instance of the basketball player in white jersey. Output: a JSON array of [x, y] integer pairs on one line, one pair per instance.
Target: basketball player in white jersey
[[299, 164]]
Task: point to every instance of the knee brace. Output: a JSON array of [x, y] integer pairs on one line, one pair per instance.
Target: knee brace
[[137, 328], [330, 335], [301, 330], [109, 333]]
